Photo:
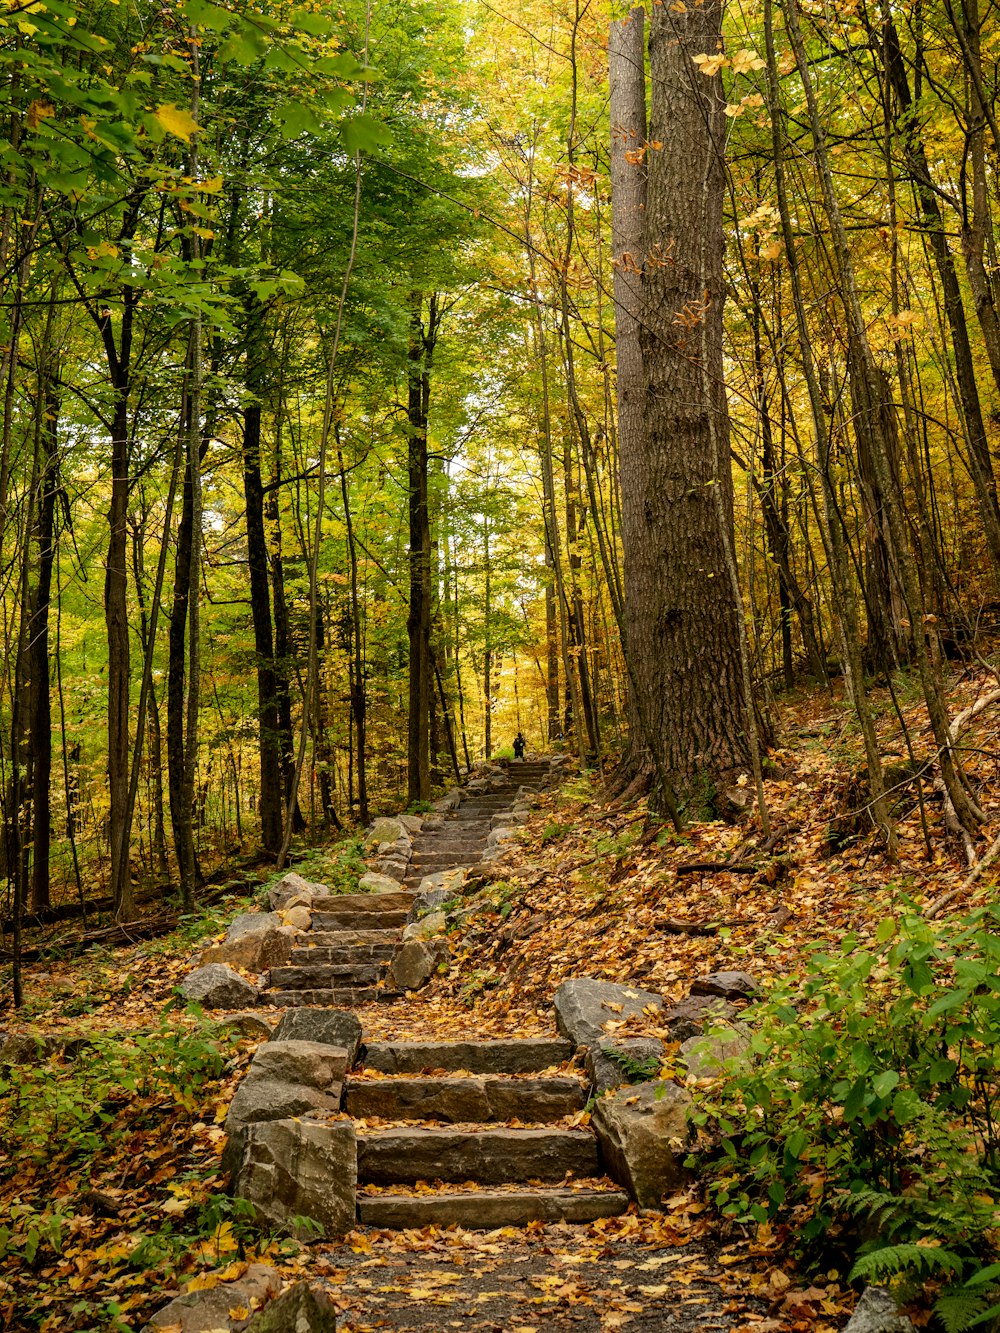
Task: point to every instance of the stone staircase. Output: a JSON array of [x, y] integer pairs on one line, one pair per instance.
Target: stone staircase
[[463, 836], [347, 955], [343, 958], [431, 1149]]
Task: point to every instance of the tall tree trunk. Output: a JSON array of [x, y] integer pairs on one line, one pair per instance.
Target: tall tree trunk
[[677, 510], [40, 708], [181, 815], [423, 338], [260, 604]]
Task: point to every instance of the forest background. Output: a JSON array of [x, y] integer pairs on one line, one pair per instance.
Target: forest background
[[309, 403]]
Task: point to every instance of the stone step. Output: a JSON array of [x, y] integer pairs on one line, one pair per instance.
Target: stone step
[[376, 903], [465, 1100], [339, 997], [485, 1210], [431, 864], [345, 953], [486, 1156], [510, 1055], [349, 920], [348, 939], [325, 976]]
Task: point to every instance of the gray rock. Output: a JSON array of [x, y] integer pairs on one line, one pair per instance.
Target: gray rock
[[335, 1027], [317, 1064], [411, 823], [428, 903], [254, 940], [706, 1055], [730, 985], [246, 1025], [499, 835], [415, 962], [427, 927], [292, 887], [300, 1169], [385, 830], [877, 1312], [207, 1311], [643, 1132], [217, 986], [300, 1309], [391, 867], [375, 883], [606, 1072], [583, 1005], [298, 917], [449, 882], [689, 1017], [25, 1048]]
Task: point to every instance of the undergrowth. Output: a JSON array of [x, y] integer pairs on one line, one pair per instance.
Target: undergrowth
[[869, 1117]]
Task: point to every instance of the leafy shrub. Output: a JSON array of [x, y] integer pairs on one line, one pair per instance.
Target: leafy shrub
[[871, 1116], [554, 832]]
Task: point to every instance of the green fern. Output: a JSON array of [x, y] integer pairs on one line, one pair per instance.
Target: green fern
[[920, 1260], [959, 1309]]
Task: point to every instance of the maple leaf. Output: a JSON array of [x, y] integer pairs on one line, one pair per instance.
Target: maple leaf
[[744, 61], [177, 121], [710, 65]]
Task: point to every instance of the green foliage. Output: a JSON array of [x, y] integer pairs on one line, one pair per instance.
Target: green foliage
[[636, 1071], [871, 1112], [554, 832], [338, 866]]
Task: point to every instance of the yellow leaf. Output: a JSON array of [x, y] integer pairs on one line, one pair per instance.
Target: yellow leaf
[[203, 1282], [212, 186], [176, 121], [239, 1312], [710, 65], [37, 112]]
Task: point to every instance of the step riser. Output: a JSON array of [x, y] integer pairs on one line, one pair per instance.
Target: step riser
[[372, 953], [485, 1212], [371, 902], [402, 1157], [342, 997], [350, 939], [331, 977], [329, 921], [525, 1055], [464, 1101]]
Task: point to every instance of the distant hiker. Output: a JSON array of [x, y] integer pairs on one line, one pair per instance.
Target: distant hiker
[[519, 746]]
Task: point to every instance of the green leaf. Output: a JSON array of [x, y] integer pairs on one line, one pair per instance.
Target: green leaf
[[316, 25], [362, 133], [884, 1083], [886, 929]]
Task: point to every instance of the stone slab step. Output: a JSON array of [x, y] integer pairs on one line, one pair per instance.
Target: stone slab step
[[325, 976], [486, 1156], [348, 939], [341, 996], [344, 953], [510, 1055], [370, 902], [465, 1100], [351, 920], [484, 1210]]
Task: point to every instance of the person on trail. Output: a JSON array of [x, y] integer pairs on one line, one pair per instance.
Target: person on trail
[[519, 746]]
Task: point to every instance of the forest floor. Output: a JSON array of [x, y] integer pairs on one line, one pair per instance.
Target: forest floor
[[109, 1174]]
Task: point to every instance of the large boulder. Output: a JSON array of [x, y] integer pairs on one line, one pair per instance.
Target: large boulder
[[298, 917], [415, 962], [254, 940], [247, 1024], [334, 1027], [728, 985], [293, 1169], [411, 823], [584, 1005], [217, 986], [708, 1055], [207, 1309], [286, 1078], [448, 882], [435, 923], [638, 1060], [294, 891], [300, 1309], [877, 1312], [689, 1017], [385, 831], [643, 1132], [375, 883]]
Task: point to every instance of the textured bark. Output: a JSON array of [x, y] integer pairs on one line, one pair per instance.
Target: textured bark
[[39, 702], [681, 612], [418, 623], [260, 610]]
